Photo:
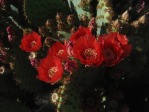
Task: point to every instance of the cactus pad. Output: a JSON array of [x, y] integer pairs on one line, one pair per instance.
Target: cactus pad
[[82, 7], [37, 12], [104, 13], [24, 73]]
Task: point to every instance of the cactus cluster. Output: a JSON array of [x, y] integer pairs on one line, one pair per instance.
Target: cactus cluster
[[87, 89]]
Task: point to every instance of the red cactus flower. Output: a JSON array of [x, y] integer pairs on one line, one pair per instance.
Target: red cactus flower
[[115, 48], [82, 31], [58, 50], [50, 70], [31, 42], [88, 51]]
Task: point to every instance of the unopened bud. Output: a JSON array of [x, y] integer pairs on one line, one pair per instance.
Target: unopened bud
[[73, 30], [125, 16], [48, 41], [34, 62], [70, 66], [61, 26], [142, 19], [41, 30], [50, 24], [3, 3], [117, 24], [10, 30], [59, 17], [59, 35], [135, 24], [71, 19]]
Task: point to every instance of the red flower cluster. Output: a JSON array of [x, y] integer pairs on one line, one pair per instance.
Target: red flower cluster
[[109, 49], [31, 42], [50, 68]]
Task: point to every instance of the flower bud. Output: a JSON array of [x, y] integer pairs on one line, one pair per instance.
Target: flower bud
[[143, 19], [50, 24], [71, 19], [11, 34], [73, 30], [70, 66], [41, 30], [34, 62], [61, 26], [59, 17], [48, 41], [3, 3], [135, 24], [125, 16], [9, 30], [59, 35], [117, 24]]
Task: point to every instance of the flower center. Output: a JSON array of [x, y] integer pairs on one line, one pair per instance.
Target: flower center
[[33, 43], [109, 54], [52, 71], [60, 52], [90, 54]]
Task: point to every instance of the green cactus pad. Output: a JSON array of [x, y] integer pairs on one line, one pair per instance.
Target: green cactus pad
[[82, 7], [71, 99], [103, 14], [24, 73], [37, 11]]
